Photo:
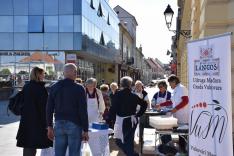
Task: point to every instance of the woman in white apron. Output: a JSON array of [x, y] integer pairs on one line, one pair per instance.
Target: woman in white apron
[[95, 102], [160, 97], [179, 100], [124, 109]]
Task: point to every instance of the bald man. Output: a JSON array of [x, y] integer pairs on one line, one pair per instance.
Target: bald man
[[67, 101], [70, 71]]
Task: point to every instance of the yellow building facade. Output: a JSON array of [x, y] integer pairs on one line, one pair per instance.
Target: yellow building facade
[[184, 19], [205, 18]]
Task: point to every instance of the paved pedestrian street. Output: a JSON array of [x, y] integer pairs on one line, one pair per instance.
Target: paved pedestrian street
[[9, 126], [8, 141], [8, 129]]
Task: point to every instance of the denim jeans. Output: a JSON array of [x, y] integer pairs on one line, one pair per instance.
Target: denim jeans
[[67, 134]]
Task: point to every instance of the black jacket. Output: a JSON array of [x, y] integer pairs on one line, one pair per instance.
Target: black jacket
[[32, 132], [125, 102], [68, 101]]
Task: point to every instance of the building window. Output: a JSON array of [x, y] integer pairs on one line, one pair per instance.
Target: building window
[[108, 20], [51, 41], [102, 41], [65, 7], [50, 7], [77, 40], [20, 23], [100, 12], [66, 23], [91, 4], [35, 24], [6, 40], [21, 41], [36, 7], [51, 23], [77, 7], [6, 7], [20, 7], [65, 41], [6, 23], [77, 23], [36, 41]]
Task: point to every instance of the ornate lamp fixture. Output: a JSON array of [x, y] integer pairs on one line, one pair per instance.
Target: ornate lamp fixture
[[168, 13]]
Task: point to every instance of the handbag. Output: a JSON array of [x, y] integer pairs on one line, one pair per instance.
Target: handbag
[[85, 149], [16, 103]]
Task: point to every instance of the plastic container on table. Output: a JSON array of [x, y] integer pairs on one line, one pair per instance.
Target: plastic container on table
[[163, 122]]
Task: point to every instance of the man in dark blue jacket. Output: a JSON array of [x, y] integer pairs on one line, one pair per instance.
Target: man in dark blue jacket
[[67, 101]]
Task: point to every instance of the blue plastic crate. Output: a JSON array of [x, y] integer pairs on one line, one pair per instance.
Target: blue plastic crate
[[99, 125]]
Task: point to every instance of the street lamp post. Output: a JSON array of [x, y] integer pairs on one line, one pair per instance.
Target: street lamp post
[[168, 13]]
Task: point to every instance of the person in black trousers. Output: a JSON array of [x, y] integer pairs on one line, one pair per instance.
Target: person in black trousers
[[124, 106], [32, 132]]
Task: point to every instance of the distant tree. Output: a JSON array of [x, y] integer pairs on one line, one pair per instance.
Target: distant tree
[[51, 72], [23, 72], [50, 75], [5, 72]]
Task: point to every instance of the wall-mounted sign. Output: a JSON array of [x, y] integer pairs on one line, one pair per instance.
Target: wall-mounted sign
[[17, 53], [71, 58]]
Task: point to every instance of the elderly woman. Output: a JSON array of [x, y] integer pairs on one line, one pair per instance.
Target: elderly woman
[[162, 95], [179, 101], [114, 88], [105, 89], [139, 91], [124, 108], [95, 102]]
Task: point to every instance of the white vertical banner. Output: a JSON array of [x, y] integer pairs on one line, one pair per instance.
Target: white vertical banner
[[210, 124]]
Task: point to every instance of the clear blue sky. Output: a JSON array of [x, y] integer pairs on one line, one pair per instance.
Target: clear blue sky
[[152, 32]]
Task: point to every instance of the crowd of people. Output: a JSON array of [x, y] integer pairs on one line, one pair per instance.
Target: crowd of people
[[62, 117]]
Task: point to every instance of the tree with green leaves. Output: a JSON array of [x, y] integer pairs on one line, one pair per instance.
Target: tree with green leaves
[[5, 72]]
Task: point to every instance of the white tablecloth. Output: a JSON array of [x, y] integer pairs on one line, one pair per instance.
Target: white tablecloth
[[98, 142]]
